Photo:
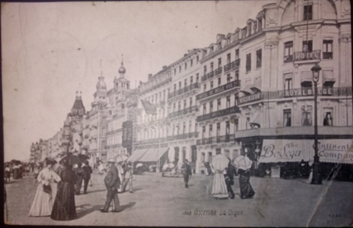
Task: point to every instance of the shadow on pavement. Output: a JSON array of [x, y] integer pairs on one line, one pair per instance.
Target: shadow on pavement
[[131, 204], [98, 190], [84, 212]]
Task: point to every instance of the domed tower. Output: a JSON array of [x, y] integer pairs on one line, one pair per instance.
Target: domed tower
[[121, 83], [78, 109], [100, 96]]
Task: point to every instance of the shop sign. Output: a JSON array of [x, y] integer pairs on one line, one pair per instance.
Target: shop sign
[[281, 151]]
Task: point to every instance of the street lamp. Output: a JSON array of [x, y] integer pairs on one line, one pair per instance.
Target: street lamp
[[317, 179]]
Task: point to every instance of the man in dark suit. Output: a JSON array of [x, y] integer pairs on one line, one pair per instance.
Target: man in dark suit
[[186, 170], [112, 182], [86, 176]]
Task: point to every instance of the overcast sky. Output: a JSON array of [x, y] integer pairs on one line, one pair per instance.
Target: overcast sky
[[52, 50]]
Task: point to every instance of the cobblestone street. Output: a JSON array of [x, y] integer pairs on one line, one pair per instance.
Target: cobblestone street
[[161, 201]]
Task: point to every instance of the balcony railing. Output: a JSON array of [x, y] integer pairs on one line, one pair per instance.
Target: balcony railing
[[207, 76], [151, 141], [183, 111], [152, 86], [219, 113], [219, 89], [184, 90], [216, 139], [303, 56], [302, 92], [182, 136], [218, 71], [232, 66], [327, 55]]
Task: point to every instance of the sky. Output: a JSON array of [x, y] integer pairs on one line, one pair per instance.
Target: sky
[[52, 50]]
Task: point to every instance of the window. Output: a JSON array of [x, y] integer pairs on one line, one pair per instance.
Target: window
[[205, 69], [179, 69], [218, 129], [235, 99], [306, 116], [219, 104], [179, 106], [204, 87], [248, 123], [288, 83], [249, 29], [227, 128], [202, 157], [327, 51], [174, 71], [288, 52], [248, 62], [197, 77], [185, 82], [184, 128], [191, 62], [174, 87], [236, 54], [328, 119], [259, 22], [204, 108], [236, 125], [190, 101], [163, 94], [190, 126], [228, 58], [287, 115], [236, 74], [229, 78], [219, 81], [191, 80], [228, 102], [220, 62], [210, 131], [258, 58], [307, 46], [185, 104], [211, 85], [203, 131], [179, 85], [186, 65], [211, 106], [197, 58], [211, 65], [177, 129], [308, 12]]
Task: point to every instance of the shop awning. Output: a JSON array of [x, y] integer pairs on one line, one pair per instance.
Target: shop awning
[[256, 119], [153, 154], [256, 87], [327, 77], [334, 150], [246, 89], [306, 76], [136, 155]]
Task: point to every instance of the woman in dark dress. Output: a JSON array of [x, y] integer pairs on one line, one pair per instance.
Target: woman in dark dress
[[64, 206], [243, 164]]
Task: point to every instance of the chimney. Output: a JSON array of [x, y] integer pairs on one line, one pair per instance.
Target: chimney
[[150, 76], [220, 37], [164, 67]]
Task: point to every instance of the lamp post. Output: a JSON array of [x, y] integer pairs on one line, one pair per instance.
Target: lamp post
[[317, 179]]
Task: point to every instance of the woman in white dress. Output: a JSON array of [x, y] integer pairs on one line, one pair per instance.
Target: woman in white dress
[[219, 164], [43, 200]]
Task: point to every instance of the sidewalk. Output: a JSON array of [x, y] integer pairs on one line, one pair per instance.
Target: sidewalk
[[163, 201]]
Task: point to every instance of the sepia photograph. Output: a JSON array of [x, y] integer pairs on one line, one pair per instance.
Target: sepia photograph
[[177, 113]]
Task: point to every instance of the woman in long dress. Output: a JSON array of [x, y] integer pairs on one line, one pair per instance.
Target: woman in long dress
[[243, 164], [43, 200], [219, 188], [64, 206]]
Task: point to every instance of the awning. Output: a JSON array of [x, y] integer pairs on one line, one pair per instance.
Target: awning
[[153, 154], [327, 77], [257, 85], [256, 119], [306, 76], [246, 89], [136, 155]]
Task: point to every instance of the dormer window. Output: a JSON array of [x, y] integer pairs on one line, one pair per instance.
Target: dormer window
[[191, 61], [211, 49], [259, 23], [249, 29]]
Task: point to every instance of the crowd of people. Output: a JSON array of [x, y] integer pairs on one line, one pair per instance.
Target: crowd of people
[[16, 170]]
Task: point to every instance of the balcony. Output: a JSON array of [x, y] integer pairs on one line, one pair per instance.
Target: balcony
[[219, 89], [207, 76], [302, 92], [151, 86], [184, 90], [217, 139], [182, 136], [183, 112], [218, 71], [305, 56], [150, 141], [115, 131], [219, 113], [232, 66]]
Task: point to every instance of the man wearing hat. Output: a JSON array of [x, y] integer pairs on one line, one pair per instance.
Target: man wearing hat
[[112, 182], [186, 171]]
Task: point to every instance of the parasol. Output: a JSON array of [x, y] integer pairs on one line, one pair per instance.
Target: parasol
[[121, 158], [220, 162], [243, 163], [139, 165]]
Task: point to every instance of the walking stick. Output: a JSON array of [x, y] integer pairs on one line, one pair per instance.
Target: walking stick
[[130, 185]]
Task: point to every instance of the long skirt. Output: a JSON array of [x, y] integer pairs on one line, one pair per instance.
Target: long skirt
[[246, 191], [16, 174], [64, 206], [219, 187], [42, 203]]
